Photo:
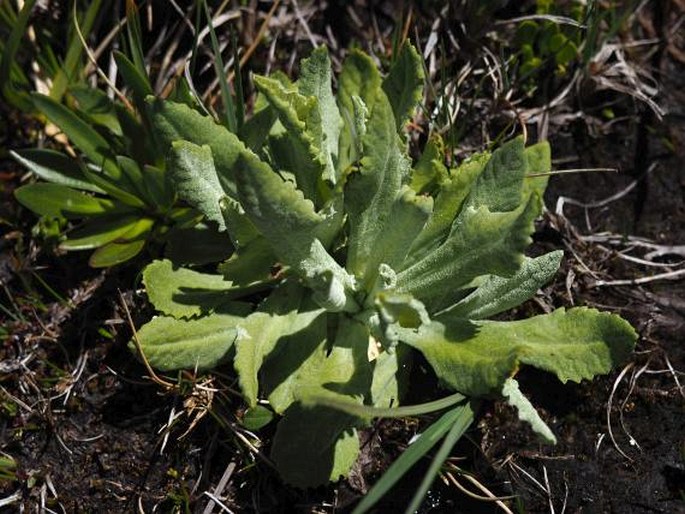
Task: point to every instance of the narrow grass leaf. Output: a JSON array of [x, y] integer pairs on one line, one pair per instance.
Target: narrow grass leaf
[[461, 424], [415, 452]]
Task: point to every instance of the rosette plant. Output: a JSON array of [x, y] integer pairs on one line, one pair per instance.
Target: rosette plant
[[350, 260]]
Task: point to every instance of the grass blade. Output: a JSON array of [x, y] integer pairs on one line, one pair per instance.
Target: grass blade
[[229, 107], [365, 411], [65, 75], [9, 53], [463, 421], [412, 455]]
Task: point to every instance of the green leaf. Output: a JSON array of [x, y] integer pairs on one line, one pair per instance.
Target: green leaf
[[117, 186], [499, 186], [112, 254], [178, 122], [315, 80], [408, 216], [133, 78], [100, 231], [404, 83], [475, 358], [453, 435], [526, 411], [371, 192], [359, 79], [251, 264], [197, 245], [57, 200], [276, 317], [86, 138], [314, 446], [11, 46], [131, 170], [290, 225], [458, 416], [481, 242], [297, 148], [191, 167], [170, 343], [390, 371], [499, 294], [257, 417], [538, 160], [54, 167], [96, 106], [184, 293], [448, 204], [304, 363], [430, 171]]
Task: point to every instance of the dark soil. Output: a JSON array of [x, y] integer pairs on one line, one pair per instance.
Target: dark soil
[[85, 425]]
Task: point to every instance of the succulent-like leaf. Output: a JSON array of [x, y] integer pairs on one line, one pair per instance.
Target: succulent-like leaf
[[526, 411], [404, 83], [475, 358], [115, 253], [100, 231], [497, 294], [178, 122], [57, 200], [170, 343], [54, 167], [184, 293], [191, 167]]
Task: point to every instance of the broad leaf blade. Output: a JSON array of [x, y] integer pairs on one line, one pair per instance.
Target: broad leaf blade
[[481, 243], [290, 225], [169, 343], [314, 446], [370, 193], [175, 122], [404, 84], [54, 167], [57, 200], [359, 79], [297, 148], [277, 317], [498, 294], [86, 138], [475, 358], [315, 80], [191, 167], [447, 206], [184, 293]]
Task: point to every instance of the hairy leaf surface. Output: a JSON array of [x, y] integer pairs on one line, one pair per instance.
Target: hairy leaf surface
[[475, 358], [170, 343]]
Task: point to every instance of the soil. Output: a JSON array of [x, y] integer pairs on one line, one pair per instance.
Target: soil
[[89, 432]]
